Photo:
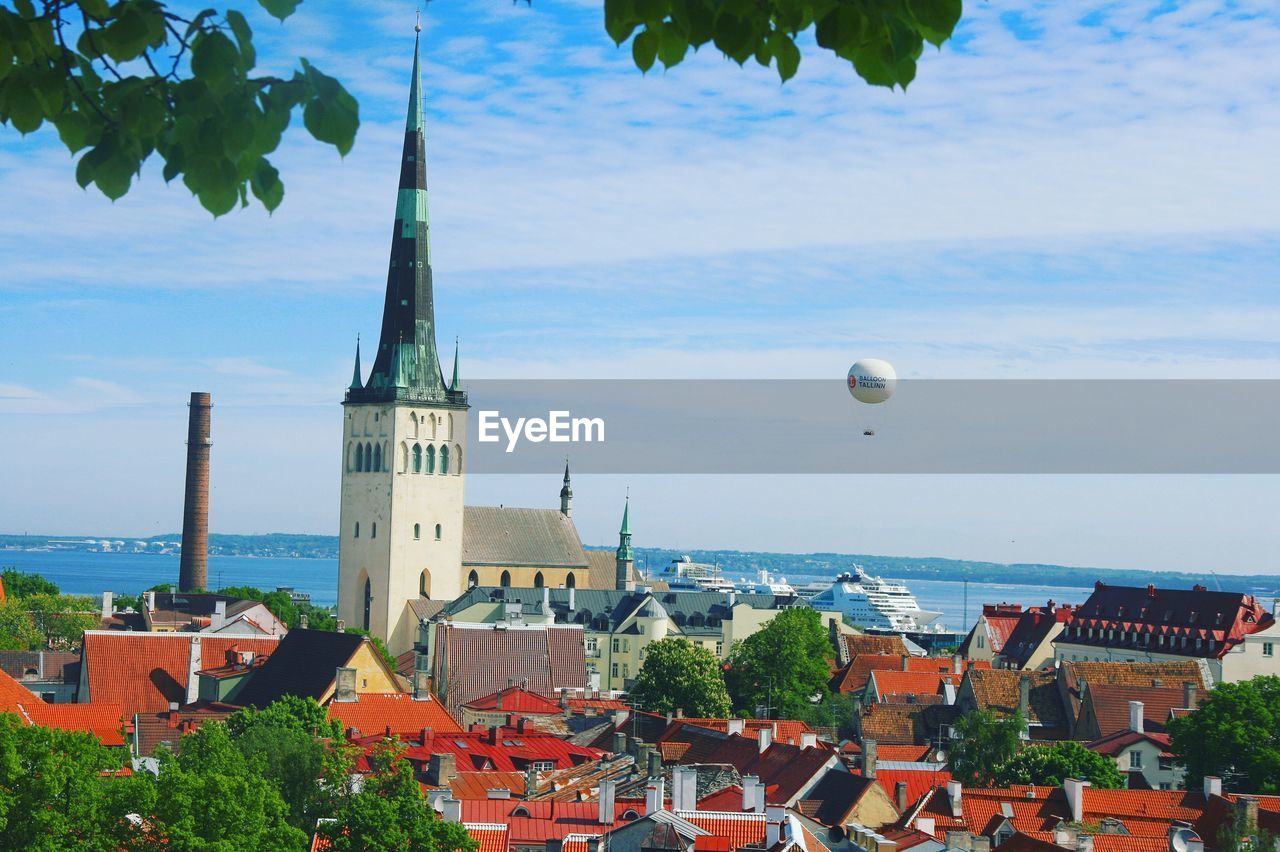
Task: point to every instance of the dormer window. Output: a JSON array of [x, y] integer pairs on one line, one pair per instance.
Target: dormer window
[[1192, 618]]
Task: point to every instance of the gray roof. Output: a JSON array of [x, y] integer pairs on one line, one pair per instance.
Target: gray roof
[[695, 613], [498, 535]]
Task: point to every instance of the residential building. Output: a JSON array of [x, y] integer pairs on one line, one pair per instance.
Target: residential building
[[1029, 645], [51, 675], [321, 665], [168, 612], [1032, 694], [1107, 709], [1075, 678], [104, 719], [470, 660], [994, 625], [1232, 632]]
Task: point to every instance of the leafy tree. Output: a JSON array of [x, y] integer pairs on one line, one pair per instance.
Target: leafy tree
[[678, 674], [62, 619], [211, 796], [834, 711], [784, 664], [1050, 765], [983, 743], [390, 813], [1235, 735], [280, 604], [883, 39], [52, 790], [121, 81], [20, 584], [18, 630]]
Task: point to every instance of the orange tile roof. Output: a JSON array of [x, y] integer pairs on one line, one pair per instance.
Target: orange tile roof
[[476, 785], [372, 712], [911, 683], [739, 829], [918, 781], [899, 724], [784, 730], [144, 672], [869, 643], [998, 690], [515, 700], [491, 837], [578, 705], [103, 719], [1111, 705]]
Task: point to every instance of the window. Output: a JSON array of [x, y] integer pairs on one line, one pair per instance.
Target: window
[[592, 645], [417, 458], [377, 458], [1165, 785], [537, 580], [617, 644], [417, 531], [615, 670], [570, 582], [719, 649], [626, 671], [424, 584], [544, 765], [1268, 649], [431, 459], [444, 459], [506, 579], [1135, 759], [1166, 764], [359, 458], [368, 601], [357, 535], [373, 530], [437, 532], [473, 579], [982, 641]]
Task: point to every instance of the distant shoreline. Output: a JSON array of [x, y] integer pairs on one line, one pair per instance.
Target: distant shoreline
[[733, 564]]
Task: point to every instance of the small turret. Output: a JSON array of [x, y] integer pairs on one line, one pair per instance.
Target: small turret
[[624, 558], [357, 383], [566, 495]]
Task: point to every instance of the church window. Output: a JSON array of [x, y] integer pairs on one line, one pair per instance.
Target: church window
[[413, 423], [377, 458], [438, 530], [424, 584], [417, 458], [449, 434], [357, 535], [457, 458], [368, 601], [444, 459], [404, 457], [373, 530], [537, 580], [368, 458], [417, 531], [431, 426], [505, 581], [570, 582], [473, 579], [431, 459], [359, 458]]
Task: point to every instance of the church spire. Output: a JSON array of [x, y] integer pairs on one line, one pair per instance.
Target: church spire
[[407, 364], [453, 386], [566, 494], [357, 382], [624, 559]]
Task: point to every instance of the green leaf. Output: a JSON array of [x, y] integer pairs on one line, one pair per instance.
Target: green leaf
[[651, 11], [937, 18], [672, 46], [619, 19], [266, 185], [644, 49], [84, 171], [244, 37], [73, 129], [702, 21], [329, 122], [839, 28], [24, 110], [785, 54], [733, 37], [215, 60], [279, 8], [172, 166], [95, 8], [124, 38]]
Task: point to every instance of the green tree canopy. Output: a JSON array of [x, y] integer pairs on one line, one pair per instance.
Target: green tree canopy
[[1235, 735], [677, 674], [1050, 765], [784, 664], [390, 813], [62, 619], [983, 743], [18, 631], [20, 584]]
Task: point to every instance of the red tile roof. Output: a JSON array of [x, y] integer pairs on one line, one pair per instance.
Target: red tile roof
[[784, 730], [540, 821], [738, 829], [103, 719], [869, 643], [889, 751], [581, 705], [166, 728], [900, 683], [144, 672], [492, 838], [788, 768], [374, 712], [502, 749], [1110, 705], [516, 700], [1001, 620], [476, 785], [999, 690], [918, 781], [1114, 744]]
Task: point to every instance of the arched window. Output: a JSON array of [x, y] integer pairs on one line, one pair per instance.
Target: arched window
[[417, 458], [570, 582], [368, 458], [417, 530], [359, 458], [373, 530], [431, 459], [444, 459], [404, 457], [424, 584], [457, 458], [431, 426], [473, 580], [368, 601], [438, 532], [448, 436], [413, 423], [357, 535], [377, 458], [537, 580], [505, 582]]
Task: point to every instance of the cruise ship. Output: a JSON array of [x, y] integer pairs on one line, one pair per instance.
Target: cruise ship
[[767, 584], [873, 602], [685, 575]]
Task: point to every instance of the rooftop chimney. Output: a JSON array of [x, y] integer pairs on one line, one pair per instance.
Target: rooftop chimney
[[808, 739], [608, 790], [572, 599], [219, 615], [149, 600], [654, 796], [193, 567], [1135, 716], [442, 769], [752, 794], [344, 684], [906, 662], [452, 810], [1074, 788], [774, 816], [684, 788], [1212, 786], [736, 726], [868, 758], [764, 738], [1189, 692], [421, 685], [900, 796], [530, 780], [108, 605], [619, 743], [957, 664], [1024, 697], [953, 796], [926, 824], [655, 764]]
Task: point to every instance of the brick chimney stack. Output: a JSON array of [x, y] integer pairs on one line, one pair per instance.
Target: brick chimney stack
[[193, 569]]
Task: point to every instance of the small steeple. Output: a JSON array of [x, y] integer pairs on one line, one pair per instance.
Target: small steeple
[[357, 382], [454, 385], [624, 559], [566, 494]]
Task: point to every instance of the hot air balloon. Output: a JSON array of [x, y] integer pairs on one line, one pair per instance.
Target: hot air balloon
[[872, 381]]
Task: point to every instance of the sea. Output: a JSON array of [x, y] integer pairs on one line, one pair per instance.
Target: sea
[[86, 573]]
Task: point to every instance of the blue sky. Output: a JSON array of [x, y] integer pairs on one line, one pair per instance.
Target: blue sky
[[1083, 189]]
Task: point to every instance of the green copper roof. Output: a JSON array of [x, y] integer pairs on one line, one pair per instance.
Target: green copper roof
[[357, 383], [406, 364], [624, 534], [454, 384]]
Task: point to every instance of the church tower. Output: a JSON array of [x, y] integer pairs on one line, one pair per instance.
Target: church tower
[[624, 558], [404, 434]]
